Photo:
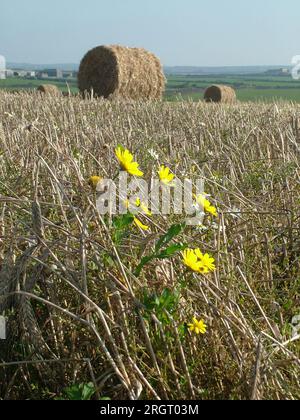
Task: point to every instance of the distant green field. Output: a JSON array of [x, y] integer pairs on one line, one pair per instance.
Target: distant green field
[[248, 87], [15, 83], [244, 95]]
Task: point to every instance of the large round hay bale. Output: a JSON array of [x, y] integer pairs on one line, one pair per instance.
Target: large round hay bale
[[49, 90], [121, 72], [67, 94], [220, 93]]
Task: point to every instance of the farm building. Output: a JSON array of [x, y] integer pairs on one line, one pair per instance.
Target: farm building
[[19, 73], [2, 67], [66, 74], [9, 73], [52, 73]]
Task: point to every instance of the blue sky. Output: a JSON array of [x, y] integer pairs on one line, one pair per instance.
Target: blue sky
[[180, 32]]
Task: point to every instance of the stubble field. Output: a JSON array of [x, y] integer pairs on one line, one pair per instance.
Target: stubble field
[[81, 317]]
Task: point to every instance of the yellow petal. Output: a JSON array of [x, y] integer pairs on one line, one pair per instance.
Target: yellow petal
[[146, 210], [198, 253], [140, 224], [165, 175], [128, 157], [94, 181]]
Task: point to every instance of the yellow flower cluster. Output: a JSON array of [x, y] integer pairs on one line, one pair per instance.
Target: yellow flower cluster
[[128, 164], [194, 259], [198, 262]]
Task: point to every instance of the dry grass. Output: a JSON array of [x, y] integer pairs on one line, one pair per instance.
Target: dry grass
[[67, 284], [120, 72]]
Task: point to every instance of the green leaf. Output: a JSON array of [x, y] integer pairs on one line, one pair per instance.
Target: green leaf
[[171, 250], [167, 253], [168, 301], [171, 234], [88, 390], [81, 392], [123, 221], [143, 262]]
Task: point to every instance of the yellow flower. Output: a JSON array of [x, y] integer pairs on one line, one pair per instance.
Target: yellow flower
[[198, 262], [207, 263], [190, 259], [140, 224], [206, 204], [125, 159], [94, 181], [198, 327], [143, 207], [165, 175], [138, 205]]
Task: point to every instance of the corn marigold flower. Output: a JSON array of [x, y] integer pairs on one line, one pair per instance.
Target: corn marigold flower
[[94, 181], [140, 225], [207, 263], [206, 205], [197, 327], [165, 175], [198, 262], [143, 207], [133, 207], [127, 163], [137, 206], [190, 259]]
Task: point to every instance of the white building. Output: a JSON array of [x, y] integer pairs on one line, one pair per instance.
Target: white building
[[20, 73], [9, 73], [2, 67], [31, 74]]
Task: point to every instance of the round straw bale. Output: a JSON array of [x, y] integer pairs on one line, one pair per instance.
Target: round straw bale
[[220, 93], [67, 94], [49, 90], [121, 72]]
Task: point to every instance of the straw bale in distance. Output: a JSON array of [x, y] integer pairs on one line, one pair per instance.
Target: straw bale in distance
[[49, 90], [121, 72], [220, 93]]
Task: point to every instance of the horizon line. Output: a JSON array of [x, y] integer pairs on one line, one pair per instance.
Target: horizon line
[[164, 65]]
